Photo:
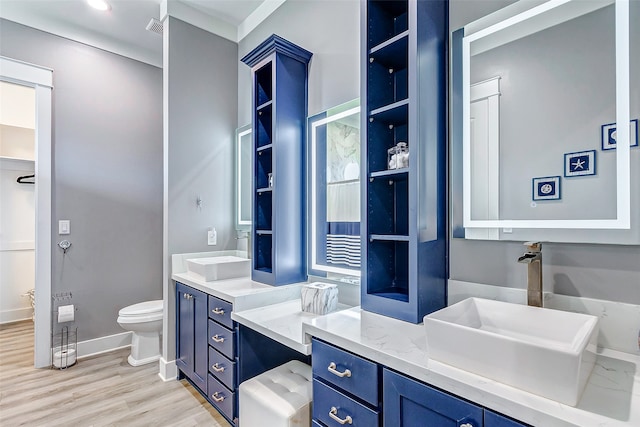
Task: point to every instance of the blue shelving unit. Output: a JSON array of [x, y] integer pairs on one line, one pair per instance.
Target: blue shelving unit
[[279, 75], [404, 211]]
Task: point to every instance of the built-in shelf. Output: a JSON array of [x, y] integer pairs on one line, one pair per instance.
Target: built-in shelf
[[401, 38], [401, 173], [264, 147], [264, 232], [392, 113], [389, 237], [263, 106], [264, 190], [16, 163]]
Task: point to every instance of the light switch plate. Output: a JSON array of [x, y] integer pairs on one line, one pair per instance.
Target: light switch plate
[[212, 237], [64, 226]]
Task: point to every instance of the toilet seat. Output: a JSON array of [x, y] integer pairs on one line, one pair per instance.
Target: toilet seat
[[148, 311]]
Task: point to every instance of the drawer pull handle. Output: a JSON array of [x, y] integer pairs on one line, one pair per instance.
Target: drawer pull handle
[[332, 368], [217, 338], [218, 310], [333, 413], [466, 425], [221, 369], [215, 397]]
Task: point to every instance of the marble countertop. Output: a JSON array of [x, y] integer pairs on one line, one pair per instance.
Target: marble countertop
[[282, 322], [243, 292], [611, 398]]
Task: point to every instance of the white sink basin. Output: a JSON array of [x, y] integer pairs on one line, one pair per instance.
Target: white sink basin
[[547, 352], [219, 268]]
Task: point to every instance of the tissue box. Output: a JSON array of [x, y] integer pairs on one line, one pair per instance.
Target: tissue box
[[319, 298]]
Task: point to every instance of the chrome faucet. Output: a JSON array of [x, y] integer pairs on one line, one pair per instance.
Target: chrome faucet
[[533, 258]]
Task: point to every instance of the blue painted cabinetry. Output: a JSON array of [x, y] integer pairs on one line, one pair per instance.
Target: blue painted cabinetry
[[409, 403], [404, 66], [191, 322], [279, 75], [221, 383], [346, 387], [352, 390]]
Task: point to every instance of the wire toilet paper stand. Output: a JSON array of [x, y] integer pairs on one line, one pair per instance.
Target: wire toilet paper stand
[[64, 339]]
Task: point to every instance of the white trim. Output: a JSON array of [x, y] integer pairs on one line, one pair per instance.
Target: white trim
[[314, 197], [41, 79], [252, 21], [485, 89], [623, 208], [198, 19], [103, 344], [15, 315], [168, 370]]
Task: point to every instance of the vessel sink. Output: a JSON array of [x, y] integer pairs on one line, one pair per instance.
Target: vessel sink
[[547, 352], [219, 268]]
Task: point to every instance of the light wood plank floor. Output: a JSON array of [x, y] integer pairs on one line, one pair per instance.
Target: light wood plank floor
[[101, 390]]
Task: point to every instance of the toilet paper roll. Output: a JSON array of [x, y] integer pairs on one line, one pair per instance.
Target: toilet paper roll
[[66, 313], [64, 358]]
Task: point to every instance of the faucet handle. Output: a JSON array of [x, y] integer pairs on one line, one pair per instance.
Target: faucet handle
[[533, 246]]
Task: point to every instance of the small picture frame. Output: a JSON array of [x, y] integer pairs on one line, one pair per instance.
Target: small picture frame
[[581, 163], [546, 188], [609, 136]]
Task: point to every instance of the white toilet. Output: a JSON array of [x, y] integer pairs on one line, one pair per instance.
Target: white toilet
[[145, 321]]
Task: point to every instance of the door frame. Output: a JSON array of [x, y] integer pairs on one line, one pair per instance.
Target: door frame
[[41, 79]]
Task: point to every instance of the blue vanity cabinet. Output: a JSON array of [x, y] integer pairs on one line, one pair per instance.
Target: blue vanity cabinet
[[279, 106], [346, 387], [222, 380], [404, 206], [409, 403], [493, 419], [191, 342]]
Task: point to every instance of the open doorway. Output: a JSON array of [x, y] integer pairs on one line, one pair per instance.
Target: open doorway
[[26, 78]]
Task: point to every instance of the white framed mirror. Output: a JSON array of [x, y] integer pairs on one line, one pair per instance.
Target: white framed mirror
[[334, 192], [243, 150], [518, 179], [543, 84]]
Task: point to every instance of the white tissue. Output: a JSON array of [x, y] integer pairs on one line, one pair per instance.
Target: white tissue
[[319, 298], [66, 313]]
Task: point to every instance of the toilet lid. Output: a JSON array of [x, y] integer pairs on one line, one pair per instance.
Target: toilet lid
[[142, 308]]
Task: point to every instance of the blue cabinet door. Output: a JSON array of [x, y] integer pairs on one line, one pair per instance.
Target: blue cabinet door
[[409, 403], [191, 323], [492, 419]]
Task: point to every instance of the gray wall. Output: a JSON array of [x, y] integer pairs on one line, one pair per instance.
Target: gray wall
[[610, 272], [201, 77], [330, 29], [107, 174]]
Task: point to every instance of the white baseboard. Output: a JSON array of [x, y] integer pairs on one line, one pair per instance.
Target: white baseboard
[[103, 344], [16, 315], [168, 370]]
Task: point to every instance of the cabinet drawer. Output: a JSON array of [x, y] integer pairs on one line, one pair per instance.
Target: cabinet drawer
[[328, 402], [222, 339], [221, 397], [492, 419], [220, 311], [361, 379], [222, 368]]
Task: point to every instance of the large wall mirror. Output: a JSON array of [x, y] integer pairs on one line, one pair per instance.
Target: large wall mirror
[[537, 155], [243, 151], [334, 193]]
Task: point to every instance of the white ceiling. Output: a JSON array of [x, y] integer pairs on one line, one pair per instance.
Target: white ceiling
[[123, 28]]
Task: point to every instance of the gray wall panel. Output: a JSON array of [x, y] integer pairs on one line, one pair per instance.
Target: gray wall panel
[[107, 174]]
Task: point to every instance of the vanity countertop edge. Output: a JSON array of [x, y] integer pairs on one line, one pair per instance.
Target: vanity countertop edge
[[613, 385]]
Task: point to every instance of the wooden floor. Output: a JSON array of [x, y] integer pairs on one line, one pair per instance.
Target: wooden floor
[[101, 390]]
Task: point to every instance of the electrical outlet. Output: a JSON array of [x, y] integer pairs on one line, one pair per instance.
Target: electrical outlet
[[212, 237]]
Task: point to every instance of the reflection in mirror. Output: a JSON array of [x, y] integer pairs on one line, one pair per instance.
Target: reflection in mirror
[[542, 89], [334, 192], [243, 178]]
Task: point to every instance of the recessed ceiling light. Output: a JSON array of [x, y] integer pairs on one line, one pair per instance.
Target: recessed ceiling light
[[102, 5]]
